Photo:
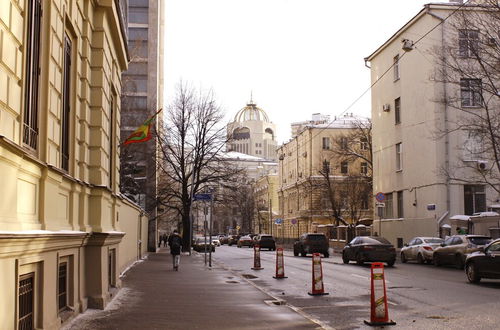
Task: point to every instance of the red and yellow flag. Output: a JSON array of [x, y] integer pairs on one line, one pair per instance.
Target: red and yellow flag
[[143, 133]]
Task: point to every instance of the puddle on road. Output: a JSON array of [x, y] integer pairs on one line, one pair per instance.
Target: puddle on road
[[277, 302], [232, 282], [249, 276]]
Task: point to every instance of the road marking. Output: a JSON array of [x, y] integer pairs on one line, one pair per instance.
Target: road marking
[[360, 276], [392, 303]]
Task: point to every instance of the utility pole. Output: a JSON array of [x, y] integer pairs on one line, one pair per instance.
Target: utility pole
[[271, 214], [210, 227]]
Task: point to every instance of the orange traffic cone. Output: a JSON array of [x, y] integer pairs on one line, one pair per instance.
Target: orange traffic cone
[[280, 264], [379, 313], [256, 258], [317, 277]]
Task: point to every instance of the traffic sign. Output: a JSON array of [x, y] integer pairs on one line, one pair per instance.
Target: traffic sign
[[380, 197], [278, 221], [202, 197], [380, 204], [293, 221], [238, 227]]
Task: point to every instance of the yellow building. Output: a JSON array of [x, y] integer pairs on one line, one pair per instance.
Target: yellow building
[[304, 201], [65, 231], [266, 204]]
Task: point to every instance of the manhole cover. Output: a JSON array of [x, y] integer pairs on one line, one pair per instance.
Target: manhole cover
[[249, 276]]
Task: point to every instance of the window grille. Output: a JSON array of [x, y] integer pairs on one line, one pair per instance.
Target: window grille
[[26, 302]]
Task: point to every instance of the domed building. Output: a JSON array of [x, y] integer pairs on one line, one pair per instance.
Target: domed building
[[252, 133]]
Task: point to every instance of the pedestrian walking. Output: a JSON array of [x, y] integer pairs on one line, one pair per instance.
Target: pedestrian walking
[[165, 240], [175, 244]]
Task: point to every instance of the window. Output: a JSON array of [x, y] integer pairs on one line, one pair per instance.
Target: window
[[397, 110], [344, 167], [62, 289], [474, 199], [468, 41], [26, 299], [388, 206], [32, 73], [364, 202], [364, 144], [66, 105], [473, 145], [396, 67], [326, 167], [326, 143], [400, 205], [343, 143], [399, 157], [364, 168], [470, 92]]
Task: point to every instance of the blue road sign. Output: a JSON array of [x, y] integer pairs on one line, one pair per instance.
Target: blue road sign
[[380, 197], [202, 197], [278, 221]]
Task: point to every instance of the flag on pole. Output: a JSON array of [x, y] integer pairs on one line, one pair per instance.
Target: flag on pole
[[143, 132]]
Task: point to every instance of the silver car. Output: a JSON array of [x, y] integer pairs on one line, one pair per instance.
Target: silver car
[[420, 249]]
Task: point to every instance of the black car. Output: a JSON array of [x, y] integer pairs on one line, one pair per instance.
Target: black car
[[484, 263], [233, 239], [265, 241], [369, 248], [311, 243]]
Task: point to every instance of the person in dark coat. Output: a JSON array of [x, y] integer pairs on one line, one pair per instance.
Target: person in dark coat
[[175, 244]]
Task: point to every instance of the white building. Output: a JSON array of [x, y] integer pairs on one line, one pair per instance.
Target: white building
[[252, 133], [411, 159]]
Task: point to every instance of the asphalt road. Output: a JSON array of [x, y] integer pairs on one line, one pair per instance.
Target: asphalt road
[[419, 296]]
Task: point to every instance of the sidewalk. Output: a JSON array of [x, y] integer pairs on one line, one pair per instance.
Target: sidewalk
[[153, 296]]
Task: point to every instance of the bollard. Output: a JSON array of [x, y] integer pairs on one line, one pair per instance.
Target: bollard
[[317, 277], [280, 264], [256, 258], [379, 314]]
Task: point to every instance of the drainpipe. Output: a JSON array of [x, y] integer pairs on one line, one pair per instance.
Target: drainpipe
[[446, 137]]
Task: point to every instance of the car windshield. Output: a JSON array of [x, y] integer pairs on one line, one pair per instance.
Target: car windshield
[[266, 237], [375, 240], [316, 237], [479, 240], [434, 240]]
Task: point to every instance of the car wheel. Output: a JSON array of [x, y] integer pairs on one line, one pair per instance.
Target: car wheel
[[345, 259], [303, 253], [436, 260], [391, 263], [471, 272], [239, 246], [326, 254], [403, 258], [359, 259], [420, 258], [459, 261]]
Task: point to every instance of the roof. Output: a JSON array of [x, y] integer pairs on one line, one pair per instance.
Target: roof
[[408, 24], [251, 112]]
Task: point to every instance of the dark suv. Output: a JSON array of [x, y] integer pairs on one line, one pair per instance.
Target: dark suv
[[311, 243], [265, 241]]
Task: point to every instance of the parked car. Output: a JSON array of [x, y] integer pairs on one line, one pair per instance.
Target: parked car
[[455, 249], [265, 241], [245, 241], [215, 240], [223, 239], [199, 245], [233, 239], [311, 243], [420, 249], [484, 263], [369, 248]]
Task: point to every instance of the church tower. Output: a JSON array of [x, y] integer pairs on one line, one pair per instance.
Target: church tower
[[252, 133]]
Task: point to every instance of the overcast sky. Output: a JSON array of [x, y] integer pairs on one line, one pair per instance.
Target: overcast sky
[[298, 57]]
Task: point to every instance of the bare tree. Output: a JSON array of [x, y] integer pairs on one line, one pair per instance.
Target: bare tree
[[469, 63], [190, 147]]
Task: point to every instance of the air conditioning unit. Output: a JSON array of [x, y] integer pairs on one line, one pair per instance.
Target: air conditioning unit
[[481, 165], [386, 107], [407, 45]]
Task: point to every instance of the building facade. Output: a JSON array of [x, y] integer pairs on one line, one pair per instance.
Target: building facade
[[252, 133], [142, 97], [66, 233], [303, 192], [417, 144], [266, 203]]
